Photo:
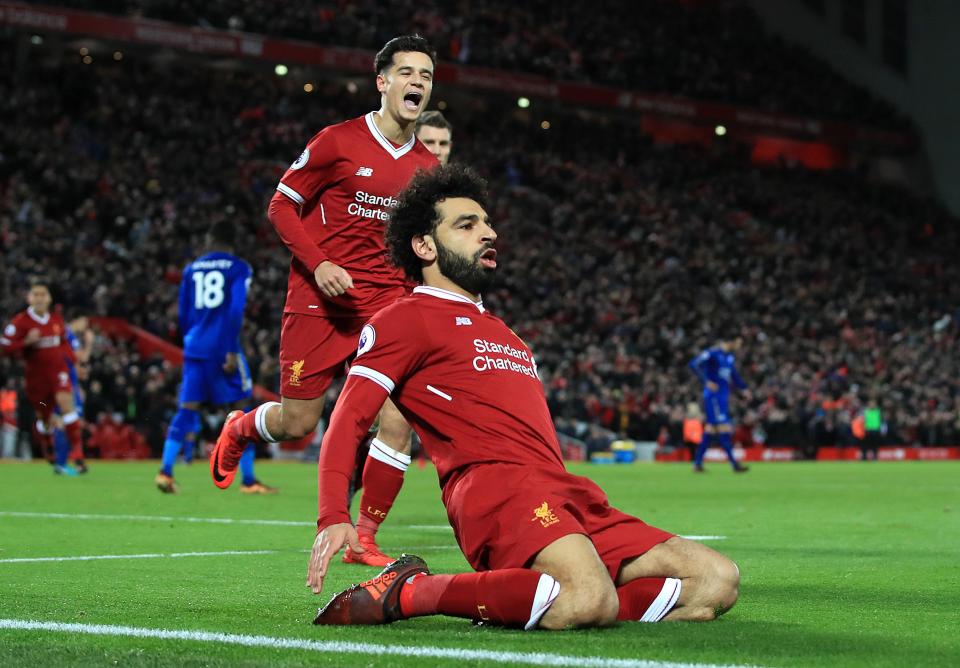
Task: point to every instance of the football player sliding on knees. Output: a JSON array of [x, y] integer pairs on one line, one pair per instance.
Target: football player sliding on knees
[[547, 549], [329, 209]]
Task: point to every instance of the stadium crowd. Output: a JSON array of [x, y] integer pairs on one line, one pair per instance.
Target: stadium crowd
[[619, 259], [718, 51]]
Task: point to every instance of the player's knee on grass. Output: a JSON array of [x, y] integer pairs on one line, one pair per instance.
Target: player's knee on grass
[[579, 605], [587, 596], [713, 591]]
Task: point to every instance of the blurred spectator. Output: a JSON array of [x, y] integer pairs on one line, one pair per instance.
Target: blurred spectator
[[710, 51], [619, 259]]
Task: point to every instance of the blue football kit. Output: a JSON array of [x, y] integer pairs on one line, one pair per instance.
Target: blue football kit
[[717, 366], [212, 299]]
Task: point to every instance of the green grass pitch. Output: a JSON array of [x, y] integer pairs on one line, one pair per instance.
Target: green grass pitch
[[843, 564]]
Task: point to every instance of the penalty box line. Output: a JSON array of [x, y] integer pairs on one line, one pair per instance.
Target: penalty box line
[[345, 647]]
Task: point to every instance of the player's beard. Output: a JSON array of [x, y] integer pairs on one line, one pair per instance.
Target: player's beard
[[468, 274]]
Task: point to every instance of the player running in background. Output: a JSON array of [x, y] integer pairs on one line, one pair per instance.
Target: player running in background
[[80, 337], [716, 369], [549, 548], [330, 209], [213, 296], [39, 334], [436, 133], [377, 499]]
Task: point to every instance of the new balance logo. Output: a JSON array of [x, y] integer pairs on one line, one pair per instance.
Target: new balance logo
[[463, 321], [365, 171]]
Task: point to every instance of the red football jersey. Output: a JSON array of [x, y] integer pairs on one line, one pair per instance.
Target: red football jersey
[[47, 357], [464, 380], [346, 182]]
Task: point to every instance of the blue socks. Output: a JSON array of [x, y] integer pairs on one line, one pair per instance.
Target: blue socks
[[726, 442], [702, 449], [246, 465], [61, 447], [246, 460], [186, 422]]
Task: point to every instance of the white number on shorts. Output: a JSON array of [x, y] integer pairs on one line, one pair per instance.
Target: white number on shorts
[[209, 289]]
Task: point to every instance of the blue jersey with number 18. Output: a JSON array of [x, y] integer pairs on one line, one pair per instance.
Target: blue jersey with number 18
[[213, 294]]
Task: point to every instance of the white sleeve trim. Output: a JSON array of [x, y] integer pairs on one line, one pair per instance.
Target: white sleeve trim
[[374, 375], [664, 601], [291, 193]]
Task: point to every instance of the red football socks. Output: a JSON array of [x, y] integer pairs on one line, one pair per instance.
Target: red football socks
[[246, 427], [647, 599], [74, 432], [506, 597], [382, 480]]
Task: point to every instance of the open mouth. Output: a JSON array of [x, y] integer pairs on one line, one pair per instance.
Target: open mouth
[[412, 100], [488, 258]]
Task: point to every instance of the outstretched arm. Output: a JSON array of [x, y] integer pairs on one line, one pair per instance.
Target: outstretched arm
[[358, 405]]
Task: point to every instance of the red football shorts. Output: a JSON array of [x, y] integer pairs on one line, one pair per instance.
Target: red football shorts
[[41, 389], [313, 351], [504, 514]]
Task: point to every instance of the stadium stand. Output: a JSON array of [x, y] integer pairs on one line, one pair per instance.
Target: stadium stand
[[716, 50], [844, 289]]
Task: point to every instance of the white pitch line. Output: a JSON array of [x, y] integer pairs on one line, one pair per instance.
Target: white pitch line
[[229, 520], [168, 555], [343, 647], [704, 537], [157, 518]]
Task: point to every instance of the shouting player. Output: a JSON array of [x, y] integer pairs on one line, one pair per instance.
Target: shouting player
[[39, 334], [377, 499], [436, 133], [330, 209], [716, 369], [549, 549], [213, 296]]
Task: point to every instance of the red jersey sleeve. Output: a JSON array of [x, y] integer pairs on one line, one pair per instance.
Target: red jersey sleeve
[[13, 334], [285, 219], [314, 170], [388, 352], [303, 181]]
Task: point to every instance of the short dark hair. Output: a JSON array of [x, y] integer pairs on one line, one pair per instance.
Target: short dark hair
[[416, 212], [413, 43], [435, 119], [39, 282], [222, 232]]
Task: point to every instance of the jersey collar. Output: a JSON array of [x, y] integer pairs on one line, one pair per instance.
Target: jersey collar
[[449, 296], [395, 153], [33, 314]]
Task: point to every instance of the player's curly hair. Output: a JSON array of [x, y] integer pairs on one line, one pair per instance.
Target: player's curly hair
[[416, 212], [411, 43]]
